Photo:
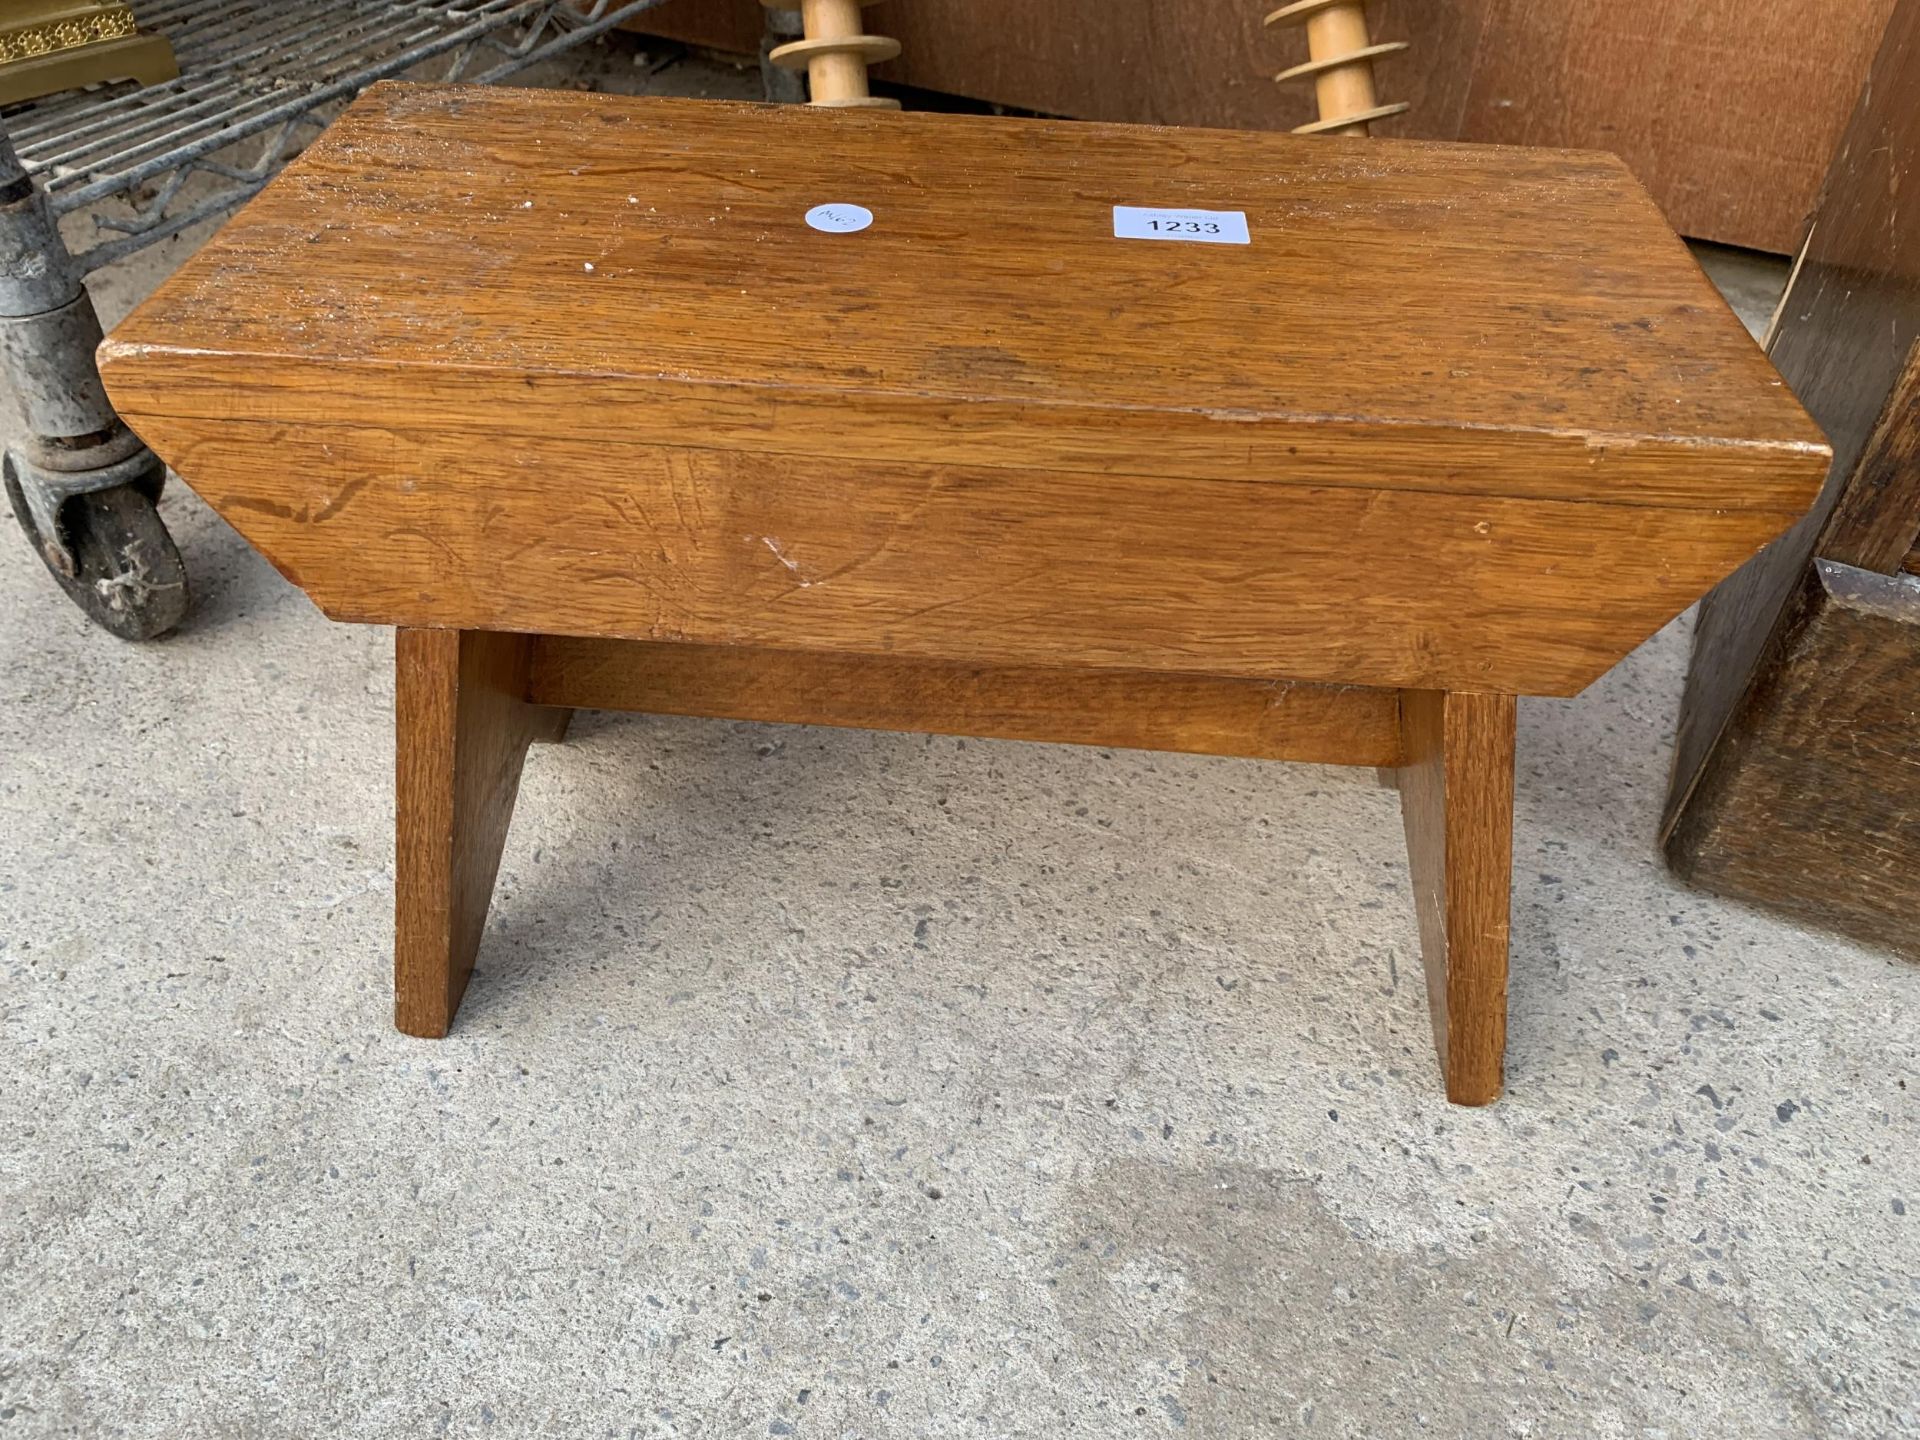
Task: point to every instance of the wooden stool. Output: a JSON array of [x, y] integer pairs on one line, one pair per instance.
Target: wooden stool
[[1230, 443]]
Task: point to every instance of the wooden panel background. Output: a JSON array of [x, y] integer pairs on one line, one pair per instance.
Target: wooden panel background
[[1728, 110]]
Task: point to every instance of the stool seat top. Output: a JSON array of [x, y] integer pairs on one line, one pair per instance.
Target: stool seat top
[[542, 278], [1475, 298]]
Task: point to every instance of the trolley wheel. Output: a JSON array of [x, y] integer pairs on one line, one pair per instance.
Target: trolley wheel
[[130, 579]]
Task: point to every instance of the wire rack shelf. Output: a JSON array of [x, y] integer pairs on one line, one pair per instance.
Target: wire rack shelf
[[267, 71]]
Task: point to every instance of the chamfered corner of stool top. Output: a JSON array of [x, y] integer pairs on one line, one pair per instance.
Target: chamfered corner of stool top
[[1490, 319]]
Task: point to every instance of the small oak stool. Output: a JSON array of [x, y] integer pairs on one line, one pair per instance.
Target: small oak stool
[[1300, 449]]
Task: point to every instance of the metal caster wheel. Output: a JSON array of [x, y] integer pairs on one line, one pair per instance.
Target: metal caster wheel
[[124, 570]]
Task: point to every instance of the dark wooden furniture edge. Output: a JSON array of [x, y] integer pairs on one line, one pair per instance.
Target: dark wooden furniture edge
[[1802, 805], [1793, 783], [1875, 524]]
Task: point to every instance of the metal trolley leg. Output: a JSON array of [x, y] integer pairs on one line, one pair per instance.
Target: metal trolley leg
[[82, 485]]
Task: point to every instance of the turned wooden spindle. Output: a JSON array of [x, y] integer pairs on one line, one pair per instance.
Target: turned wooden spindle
[[1340, 64], [835, 54]]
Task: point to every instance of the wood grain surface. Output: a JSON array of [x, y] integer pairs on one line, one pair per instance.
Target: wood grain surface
[[1450, 317], [1456, 797], [1729, 110], [563, 363], [1144, 710], [461, 732], [964, 563], [1876, 519]]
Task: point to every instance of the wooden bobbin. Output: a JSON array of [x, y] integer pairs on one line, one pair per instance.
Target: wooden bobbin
[[835, 54], [1341, 65]]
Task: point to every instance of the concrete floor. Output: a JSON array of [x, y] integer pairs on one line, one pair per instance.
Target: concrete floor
[[824, 1083]]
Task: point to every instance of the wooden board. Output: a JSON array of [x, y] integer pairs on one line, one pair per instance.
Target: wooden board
[[1729, 110], [1448, 318], [416, 524], [1456, 797], [1135, 709], [1457, 418], [462, 732], [1875, 523]]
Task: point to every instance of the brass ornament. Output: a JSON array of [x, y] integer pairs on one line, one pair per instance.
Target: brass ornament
[[52, 45], [27, 41]]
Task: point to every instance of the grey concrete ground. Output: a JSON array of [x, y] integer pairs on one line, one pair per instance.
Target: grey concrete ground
[[824, 1083]]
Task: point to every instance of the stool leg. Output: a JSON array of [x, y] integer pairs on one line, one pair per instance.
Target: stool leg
[[461, 732], [1456, 796]]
